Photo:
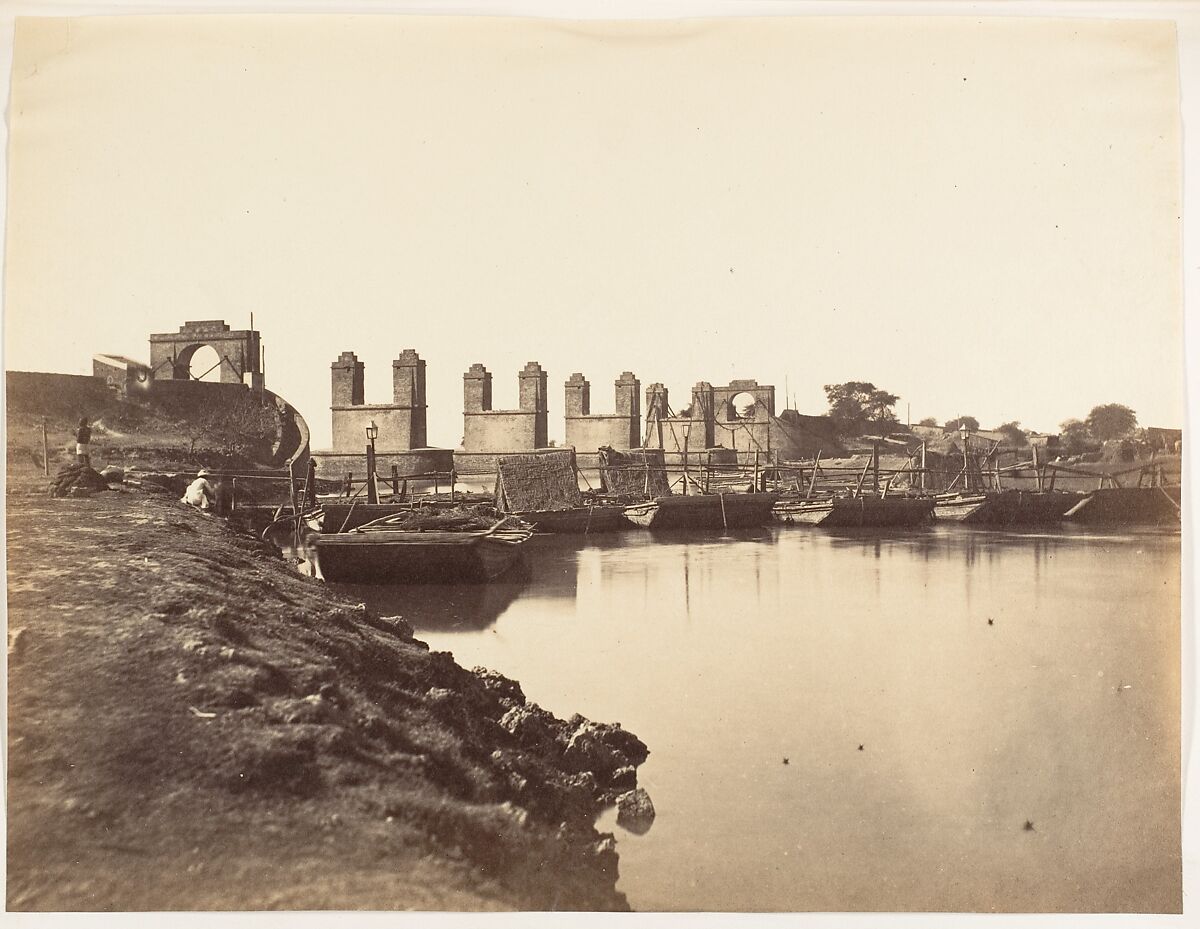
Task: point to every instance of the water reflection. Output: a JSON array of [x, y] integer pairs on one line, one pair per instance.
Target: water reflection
[[728, 654], [440, 607]]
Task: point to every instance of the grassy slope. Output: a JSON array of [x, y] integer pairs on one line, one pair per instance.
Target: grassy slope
[[193, 725], [124, 433]]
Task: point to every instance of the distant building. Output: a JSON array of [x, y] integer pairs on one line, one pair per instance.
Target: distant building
[[739, 417], [927, 432], [1165, 440], [126, 375]]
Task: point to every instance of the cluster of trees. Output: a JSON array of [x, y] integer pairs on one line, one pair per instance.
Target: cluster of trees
[[246, 426], [1104, 422], [1011, 430], [858, 406]]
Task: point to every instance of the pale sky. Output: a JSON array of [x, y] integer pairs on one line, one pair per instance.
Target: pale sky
[[977, 215]]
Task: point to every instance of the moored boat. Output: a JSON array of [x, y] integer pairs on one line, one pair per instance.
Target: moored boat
[[585, 519], [1005, 507], [542, 489], [703, 511], [341, 514], [346, 514], [394, 549], [850, 511], [1127, 505]]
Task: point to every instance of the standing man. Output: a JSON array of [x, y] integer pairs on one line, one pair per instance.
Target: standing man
[[83, 439]]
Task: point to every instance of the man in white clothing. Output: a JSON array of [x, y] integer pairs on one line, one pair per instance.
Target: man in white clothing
[[200, 492]]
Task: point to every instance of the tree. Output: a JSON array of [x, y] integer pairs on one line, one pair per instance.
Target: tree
[[1110, 421], [1074, 436], [955, 424], [1013, 432], [245, 426], [928, 421], [855, 405]]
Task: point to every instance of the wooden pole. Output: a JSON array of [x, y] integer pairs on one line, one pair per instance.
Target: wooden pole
[[310, 486], [875, 466], [292, 487], [922, 465], [45, 449], [396, 480], [966, 464], [295, 505], [687, 438], [755, 484], [372, 488], [1037, 473], [862, 477]]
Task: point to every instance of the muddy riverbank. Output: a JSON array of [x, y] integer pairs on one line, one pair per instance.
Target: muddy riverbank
[[193, 725]]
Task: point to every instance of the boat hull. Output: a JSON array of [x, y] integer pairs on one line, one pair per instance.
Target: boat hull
[[388, 557], [581, 520], [1127, 506], [1006, 507], [849, 512], [703, 511]]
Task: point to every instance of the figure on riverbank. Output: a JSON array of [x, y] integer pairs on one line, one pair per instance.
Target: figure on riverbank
[[200, 492], [83, 439]]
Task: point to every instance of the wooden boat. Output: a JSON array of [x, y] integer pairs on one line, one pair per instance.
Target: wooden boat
[[341, 514], [1005, 507], [1127, 506], [703, 511], [601, 517], [344, 515], [379, 554], [849, 511], [542, 489]]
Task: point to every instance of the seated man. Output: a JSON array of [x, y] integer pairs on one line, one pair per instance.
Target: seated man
[[200, 493]]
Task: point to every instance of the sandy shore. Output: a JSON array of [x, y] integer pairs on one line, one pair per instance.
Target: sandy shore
[[193, 725]]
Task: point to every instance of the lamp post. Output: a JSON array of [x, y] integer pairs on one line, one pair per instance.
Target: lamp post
[[372, 489]]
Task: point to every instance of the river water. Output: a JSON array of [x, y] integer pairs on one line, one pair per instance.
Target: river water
[[835, 724]]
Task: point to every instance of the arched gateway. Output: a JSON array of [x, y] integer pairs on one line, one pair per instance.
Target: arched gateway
[[239, 351]]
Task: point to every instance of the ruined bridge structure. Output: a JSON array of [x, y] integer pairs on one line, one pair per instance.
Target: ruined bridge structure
[[737, 420], [239, 352], [182, 407]]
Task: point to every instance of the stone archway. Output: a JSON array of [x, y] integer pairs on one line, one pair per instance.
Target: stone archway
[[238, 351]]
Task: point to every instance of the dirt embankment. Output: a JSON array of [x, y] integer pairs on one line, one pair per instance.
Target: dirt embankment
[[193, 726], [178, 426]]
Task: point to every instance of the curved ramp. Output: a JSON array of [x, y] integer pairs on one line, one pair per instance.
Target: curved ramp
[[293, 446]]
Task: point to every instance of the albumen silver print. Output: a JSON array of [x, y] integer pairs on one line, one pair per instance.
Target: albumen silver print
[[500, 463]]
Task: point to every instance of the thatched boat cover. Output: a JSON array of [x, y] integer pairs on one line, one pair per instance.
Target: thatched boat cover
[[626, 472], [537, 482]]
